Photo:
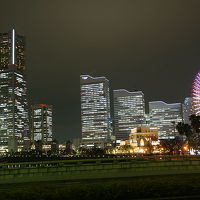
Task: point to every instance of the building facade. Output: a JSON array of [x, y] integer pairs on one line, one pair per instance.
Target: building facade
[[41, 123], [165, 117], [14, 121], [129, 112], [95, 111], [187, 110], [140, 136]]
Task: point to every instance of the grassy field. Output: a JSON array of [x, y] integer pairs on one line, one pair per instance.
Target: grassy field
[[153, 187]]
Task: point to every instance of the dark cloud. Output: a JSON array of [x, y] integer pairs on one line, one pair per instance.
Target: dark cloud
[[153, 46]]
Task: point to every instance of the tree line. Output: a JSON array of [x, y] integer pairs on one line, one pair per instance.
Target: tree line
[[190, 133]]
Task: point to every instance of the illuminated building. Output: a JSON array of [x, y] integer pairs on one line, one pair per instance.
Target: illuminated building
[[187, 110], [41, 123], [14, 123], [144, 139], [165, 117], [141, 135], [61, 147], [129, 112], [95, 111], [196, 94]]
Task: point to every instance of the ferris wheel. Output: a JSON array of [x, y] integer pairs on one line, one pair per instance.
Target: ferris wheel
[[196, 94]]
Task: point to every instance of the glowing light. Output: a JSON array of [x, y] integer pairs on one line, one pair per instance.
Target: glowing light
[[131, 151], [43, 105], [141, 151], [196, 94], [13, 46], [185, 148]]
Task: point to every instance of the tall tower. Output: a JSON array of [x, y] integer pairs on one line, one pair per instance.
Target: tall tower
[[129, 112], [165, 117], [41, 120], [95, 111], [14, 123]]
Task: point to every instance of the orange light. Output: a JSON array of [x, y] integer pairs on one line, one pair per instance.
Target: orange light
[[42, 104], [185, 148]]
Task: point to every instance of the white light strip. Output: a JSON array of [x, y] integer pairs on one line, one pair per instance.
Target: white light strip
[[13, 46], [83, 76]]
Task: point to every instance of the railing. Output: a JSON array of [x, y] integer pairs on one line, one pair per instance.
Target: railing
[[102, 161]]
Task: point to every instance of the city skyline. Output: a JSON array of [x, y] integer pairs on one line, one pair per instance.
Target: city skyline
[[119, 96], [100, 99], [112, 45]]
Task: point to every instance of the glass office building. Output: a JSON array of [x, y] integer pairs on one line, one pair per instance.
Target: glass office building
[[41, 123], [14, 123], [95, 111], [129, 112], [165, 117], [187, 110]]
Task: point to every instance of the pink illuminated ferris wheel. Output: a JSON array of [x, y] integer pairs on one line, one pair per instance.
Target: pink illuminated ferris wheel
[[196, 94]]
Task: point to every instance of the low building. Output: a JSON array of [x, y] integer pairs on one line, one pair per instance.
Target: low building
[[61, 148], [144, 139]]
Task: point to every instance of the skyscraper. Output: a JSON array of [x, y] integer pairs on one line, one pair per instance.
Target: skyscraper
[[187, 110], [165, 117], [41, 123], [14, 123], [129, 112], [95, 111]]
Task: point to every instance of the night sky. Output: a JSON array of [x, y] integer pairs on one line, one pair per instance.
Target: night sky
[[148, 45]]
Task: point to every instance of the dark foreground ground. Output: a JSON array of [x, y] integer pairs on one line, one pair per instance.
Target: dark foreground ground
[[185, 186]]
